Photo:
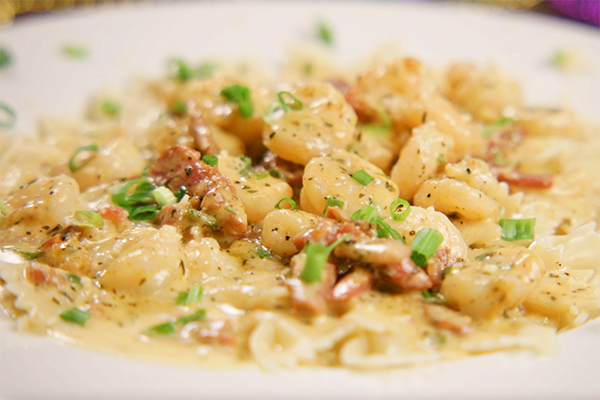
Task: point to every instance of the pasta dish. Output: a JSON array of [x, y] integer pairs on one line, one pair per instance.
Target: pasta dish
[[374, 220]]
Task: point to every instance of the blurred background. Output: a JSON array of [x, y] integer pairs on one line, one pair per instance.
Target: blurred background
[[583, 11]]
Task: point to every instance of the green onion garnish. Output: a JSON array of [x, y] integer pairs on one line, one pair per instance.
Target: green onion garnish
[[206, 219], [308, 68], [247, 165], [5, 58], [369, 214], [166, 329], [363, 177], [164, 196], [376, 130], [90, 219], [180, 194], [29, 255], [180, 70], [7, 116], [143, 213], [295, 104], [4, 208], [385, 118], [141, 194], [75, 51], [288, 200], [74, 278], [425, 245], [316, 258], [324, 33], [489, 129], [433, 297], [260, 175], [89, 152], [263, 253], [198, 315], [517, 229], [211, 160], [331, 202], [194, 295], [111, 108], [400, 209], [76, 316], [179, 108], [240, 95]]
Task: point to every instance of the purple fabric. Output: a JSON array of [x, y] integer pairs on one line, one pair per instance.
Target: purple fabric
[[584, 10]]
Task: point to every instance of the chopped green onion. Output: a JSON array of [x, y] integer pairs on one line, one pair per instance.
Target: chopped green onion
[[376, 130], [389, 231], [286, 199], [263, 253], [76, 316], [211, 160], [91, 219], [331, 202], [425, 245], [180, 193], [489, 129], [517, 229], [203, 71], [308, 68], [29, 255], [141, 194], [143, 213], [166, 329], [247, 165], [316, 258], [198, 315], [164, 196], [260, 175], [180, 70], [324, 33], [111, 108], [400, 209], [7, 116], [206, 219], [274, 112], [433, 297], [4, 208], [5, 58], [295, 104], [179, 108], [75, 51], [231, 210], [74, 278], [240, 95], [89, 152], [446, 271], [368, 213], [385, 117], [194, 295], [363, 177], [276, 174]]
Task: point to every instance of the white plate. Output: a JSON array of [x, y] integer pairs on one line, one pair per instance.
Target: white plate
[[125, 40]]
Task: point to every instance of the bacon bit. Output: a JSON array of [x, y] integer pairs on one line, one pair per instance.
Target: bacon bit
[[213, 332], [180, 166], [523, 179], [35, 275], [437, 264], [324, 232], [407, 275], [447, 319], [114, 214], [204, 140], [351, 285], [364, 111], [340, 84]]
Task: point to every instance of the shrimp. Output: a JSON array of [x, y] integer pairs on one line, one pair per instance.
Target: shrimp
[[421, 158], [454, 197], [332, 176], [485, 93], [495, 281], [259, 194], [181, 167], [280, 226], [325, 122]]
